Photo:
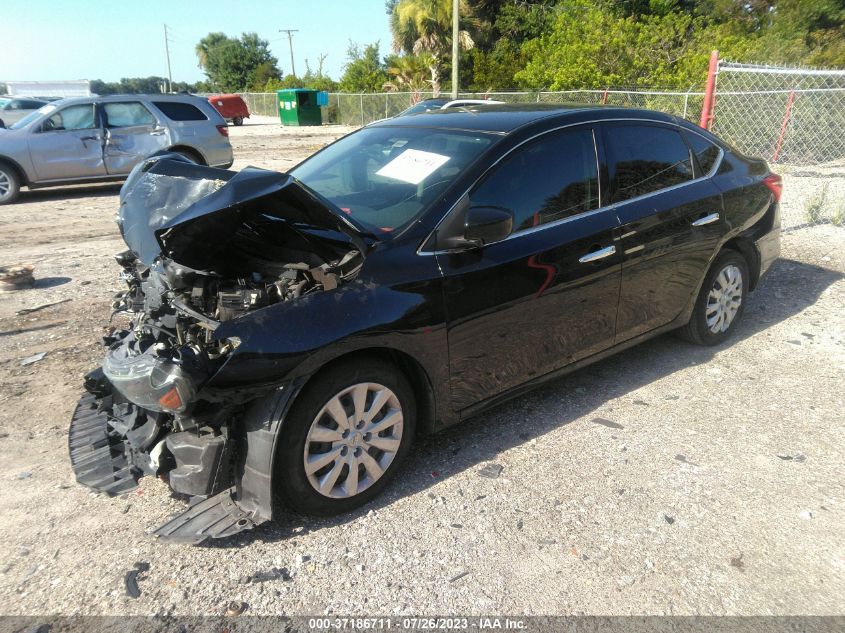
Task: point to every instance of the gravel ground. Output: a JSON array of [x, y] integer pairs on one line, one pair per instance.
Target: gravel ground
[[669, 479]]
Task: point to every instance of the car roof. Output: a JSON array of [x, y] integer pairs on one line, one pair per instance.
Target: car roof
[[124, 97], [508, 117]]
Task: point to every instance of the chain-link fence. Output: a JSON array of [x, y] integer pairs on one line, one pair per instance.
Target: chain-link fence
[[361, 109], [793, 118]]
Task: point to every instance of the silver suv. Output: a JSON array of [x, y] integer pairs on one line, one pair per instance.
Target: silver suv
[[95, 139], [13, 109]]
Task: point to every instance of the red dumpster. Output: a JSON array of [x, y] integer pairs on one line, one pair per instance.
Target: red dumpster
[[231, 107]]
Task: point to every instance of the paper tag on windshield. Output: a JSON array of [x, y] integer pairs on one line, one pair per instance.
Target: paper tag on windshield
[[412, 166]]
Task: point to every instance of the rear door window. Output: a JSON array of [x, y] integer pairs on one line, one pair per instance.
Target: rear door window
[[177, 111], [645, 158], [549, 179], [127, 114]]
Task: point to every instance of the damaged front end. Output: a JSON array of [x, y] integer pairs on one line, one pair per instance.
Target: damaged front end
[[206, 246]]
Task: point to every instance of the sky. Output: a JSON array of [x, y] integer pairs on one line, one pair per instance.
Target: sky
[[99, 39]]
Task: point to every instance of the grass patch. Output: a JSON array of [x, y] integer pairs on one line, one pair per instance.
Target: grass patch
[[815, 205]]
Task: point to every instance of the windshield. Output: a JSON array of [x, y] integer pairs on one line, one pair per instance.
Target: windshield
[[32, 116], [384, 177]]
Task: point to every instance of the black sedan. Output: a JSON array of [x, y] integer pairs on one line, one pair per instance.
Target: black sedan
[[289, 334]]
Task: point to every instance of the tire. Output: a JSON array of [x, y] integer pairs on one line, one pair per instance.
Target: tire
[[10, 184], [191, 156], [729, 268], [339, 448], [238, 120]]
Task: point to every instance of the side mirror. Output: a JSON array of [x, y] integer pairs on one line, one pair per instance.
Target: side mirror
[[484, 225]]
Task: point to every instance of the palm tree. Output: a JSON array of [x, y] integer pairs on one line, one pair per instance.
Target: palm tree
[[210, 41], [425, 26], [408, 72]]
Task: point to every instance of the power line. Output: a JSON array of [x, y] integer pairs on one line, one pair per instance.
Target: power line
[[290, 33]]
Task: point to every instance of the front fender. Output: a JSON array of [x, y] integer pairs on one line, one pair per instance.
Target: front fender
[[294, 339], [283, 345]]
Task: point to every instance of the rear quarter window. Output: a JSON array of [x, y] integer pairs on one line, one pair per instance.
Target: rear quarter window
[[178, 111], [706, 153]]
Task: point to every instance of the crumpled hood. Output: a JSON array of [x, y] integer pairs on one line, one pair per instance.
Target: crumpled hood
[[189, 212]]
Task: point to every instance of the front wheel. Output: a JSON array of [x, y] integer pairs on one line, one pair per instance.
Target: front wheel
[[721, 300], [238, 120], [344, 438], [10, 185]]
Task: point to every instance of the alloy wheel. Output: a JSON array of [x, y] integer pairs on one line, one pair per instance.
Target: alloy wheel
[[5, 184], [353, 440], [724, 299]]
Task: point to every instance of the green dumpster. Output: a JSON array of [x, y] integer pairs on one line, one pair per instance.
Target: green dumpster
[[299, 106]]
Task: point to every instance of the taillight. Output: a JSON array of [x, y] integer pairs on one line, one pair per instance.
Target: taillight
[[223, 129], [775, 184]]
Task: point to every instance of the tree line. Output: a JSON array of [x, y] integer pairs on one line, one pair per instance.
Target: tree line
[[537, 45], [555, 45]]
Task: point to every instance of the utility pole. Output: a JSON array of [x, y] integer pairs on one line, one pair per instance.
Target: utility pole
[[290, 33], [455, 32], [167, 52]]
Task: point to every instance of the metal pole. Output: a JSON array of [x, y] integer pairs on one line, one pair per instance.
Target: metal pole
[[707, 108], [786, 116], [455, 36], [167, 52], [290, 33]]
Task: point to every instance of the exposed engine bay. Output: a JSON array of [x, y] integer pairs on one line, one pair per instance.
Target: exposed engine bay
[[206, 247]]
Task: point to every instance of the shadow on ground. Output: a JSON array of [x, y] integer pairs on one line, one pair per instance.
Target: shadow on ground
[[788, 289], [70, 192]]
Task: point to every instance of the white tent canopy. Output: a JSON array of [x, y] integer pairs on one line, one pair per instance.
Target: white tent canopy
[[80, 88]]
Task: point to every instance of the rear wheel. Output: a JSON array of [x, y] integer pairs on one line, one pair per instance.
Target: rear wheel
[[344, 438], [721, 300], [238, 120], [10, 184], [191, 156]]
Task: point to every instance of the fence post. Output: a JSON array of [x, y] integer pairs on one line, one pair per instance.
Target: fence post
[[786, 116], [362, 109], [385, 105], [686, 103], [604, 97], [709, 104]]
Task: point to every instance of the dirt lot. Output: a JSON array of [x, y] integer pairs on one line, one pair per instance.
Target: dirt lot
[[670, 479]]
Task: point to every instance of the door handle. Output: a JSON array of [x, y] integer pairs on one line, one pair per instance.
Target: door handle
[[596, 255], [707, 219], [89, 138]]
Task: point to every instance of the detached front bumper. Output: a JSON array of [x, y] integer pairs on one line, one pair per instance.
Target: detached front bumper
[[122, 430]]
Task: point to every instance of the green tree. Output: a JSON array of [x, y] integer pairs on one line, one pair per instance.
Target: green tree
[[408, 73], [499, 28], [141, 85], [236, 64], [316, 80], [599, 45], [209, 43], [425, 26], [364, 71]]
